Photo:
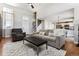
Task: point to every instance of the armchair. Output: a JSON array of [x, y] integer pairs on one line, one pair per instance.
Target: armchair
[[17, 34]]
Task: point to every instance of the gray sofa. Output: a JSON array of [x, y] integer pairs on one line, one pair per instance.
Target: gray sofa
[[54, 39]]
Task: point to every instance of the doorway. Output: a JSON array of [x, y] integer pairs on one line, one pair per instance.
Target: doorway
[[25, 24]]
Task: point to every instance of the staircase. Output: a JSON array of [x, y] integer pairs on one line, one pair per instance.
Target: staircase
[[40, 25], [34, 22], [34, 26], [37, 24]]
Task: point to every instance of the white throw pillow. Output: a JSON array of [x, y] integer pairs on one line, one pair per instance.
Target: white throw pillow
[[41, 33], [51, 34]]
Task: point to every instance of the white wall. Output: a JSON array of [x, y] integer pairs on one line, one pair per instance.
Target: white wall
[[60, 16], [18, 18], [76, 23], [53, 8]]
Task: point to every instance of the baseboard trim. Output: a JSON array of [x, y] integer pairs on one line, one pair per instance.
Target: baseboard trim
[[76, 42], [5, 37]]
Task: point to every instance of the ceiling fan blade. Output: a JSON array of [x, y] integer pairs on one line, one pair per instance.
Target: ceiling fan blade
[[32, 6]]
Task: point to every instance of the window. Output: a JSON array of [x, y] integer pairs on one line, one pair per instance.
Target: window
[[8, 10], [49, 25], [7, 18]]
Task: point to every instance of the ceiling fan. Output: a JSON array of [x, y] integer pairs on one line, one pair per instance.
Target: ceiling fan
[[32, 6]]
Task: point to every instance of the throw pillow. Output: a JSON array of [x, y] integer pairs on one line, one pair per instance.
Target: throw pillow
[[41, 33], [51, 34]]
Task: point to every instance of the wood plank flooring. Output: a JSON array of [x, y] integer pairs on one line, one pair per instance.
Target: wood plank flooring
[[2, 42], [70, 47]]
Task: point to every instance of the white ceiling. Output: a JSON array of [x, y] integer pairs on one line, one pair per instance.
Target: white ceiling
[[45, 9], [40, 8]]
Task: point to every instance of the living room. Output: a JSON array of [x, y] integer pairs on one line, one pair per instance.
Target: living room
[[53, 24]]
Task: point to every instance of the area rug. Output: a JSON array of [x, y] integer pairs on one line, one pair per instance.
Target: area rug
[[27, 49]]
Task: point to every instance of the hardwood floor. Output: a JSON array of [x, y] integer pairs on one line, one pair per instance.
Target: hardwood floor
[[70, 47], [2, 42]]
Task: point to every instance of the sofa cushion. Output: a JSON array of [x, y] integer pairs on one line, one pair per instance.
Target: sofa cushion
[[53, 38], [38, 35], [41, 33], [46, 32], [50, 34]]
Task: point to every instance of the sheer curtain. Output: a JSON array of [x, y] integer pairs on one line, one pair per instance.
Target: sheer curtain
[[7, 21]]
